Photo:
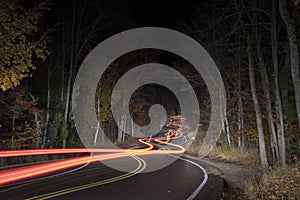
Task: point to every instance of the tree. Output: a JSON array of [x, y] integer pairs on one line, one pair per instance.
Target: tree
[[262, 147], [20, 45], [17, 111], [82, 33], [265, 86], [278, 104], [294, 53], [277, 63]]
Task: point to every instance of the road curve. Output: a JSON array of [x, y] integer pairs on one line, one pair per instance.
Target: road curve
[[180, 180]]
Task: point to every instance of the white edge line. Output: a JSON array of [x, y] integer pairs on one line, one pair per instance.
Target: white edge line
[[199, 188]]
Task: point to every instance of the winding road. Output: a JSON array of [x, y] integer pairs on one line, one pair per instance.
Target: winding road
[[180, 180], [87, 178]]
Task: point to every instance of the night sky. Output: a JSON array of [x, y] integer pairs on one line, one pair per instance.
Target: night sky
[[160, 13], [163, 13]]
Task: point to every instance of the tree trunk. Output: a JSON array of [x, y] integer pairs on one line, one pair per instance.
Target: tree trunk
[[36, 143], [68, 95], [48, 107], [124, 123], [241, 137], [278, 104], [120, 130], [13, 128], [262, 148], [240, 119], [294, 54], [98, 124], [226, 127], [132, 128], [63, 64], [227, 130], [96, 134], [265, 84], [124, 128]]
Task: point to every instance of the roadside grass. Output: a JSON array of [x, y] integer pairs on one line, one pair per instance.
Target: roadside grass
[[249, 157], [276, 184], [193, 149]]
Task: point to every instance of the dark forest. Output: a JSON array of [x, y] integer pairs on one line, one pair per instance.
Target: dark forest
[[254, 44]]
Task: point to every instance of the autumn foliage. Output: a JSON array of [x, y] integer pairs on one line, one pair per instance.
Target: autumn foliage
[[19, 47], [16, 116]]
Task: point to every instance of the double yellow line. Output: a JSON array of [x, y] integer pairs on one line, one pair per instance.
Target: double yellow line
[[141, 166]]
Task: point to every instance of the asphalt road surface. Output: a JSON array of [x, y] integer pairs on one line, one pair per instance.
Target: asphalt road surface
[[183, 179]]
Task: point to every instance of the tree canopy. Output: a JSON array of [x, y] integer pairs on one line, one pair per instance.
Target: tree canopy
[[20, 43]]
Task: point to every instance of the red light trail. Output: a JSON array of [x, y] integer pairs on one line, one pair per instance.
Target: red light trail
[[42, 169]]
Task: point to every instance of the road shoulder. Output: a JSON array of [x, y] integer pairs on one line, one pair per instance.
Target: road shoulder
[[236, 176]]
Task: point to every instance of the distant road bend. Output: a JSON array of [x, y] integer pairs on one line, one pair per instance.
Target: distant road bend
[[85, 177]]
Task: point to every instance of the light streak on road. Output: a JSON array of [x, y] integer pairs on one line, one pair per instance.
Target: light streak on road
[[141, 166], [32, 152], [42, 169]]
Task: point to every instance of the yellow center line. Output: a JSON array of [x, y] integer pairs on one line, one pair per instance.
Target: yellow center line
[[141, 166]]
